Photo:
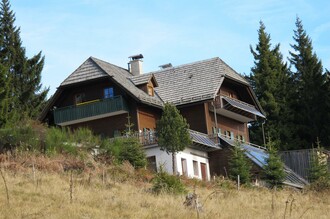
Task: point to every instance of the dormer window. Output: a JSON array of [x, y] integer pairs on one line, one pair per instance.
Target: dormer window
[[150, 90], [108, 92]]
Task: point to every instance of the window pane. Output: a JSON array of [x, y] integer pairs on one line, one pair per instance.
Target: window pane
[[108, 92]]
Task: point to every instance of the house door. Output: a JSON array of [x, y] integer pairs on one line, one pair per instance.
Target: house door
[[203, 170]]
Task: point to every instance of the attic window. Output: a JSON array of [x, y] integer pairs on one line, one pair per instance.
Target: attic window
[[150, 90]]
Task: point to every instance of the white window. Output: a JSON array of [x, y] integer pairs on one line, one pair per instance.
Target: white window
[[195, 165]]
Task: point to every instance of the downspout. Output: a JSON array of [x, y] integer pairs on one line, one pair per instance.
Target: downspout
[[215, 119]]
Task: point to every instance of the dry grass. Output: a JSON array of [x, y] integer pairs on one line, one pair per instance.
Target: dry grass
[[118, 193]]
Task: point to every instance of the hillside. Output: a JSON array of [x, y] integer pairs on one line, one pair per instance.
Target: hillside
[[41, 187]]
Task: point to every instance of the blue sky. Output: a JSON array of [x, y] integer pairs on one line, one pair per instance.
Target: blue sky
[[70, 31]]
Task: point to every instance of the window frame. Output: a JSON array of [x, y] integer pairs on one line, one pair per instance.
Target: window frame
[[108, 92]]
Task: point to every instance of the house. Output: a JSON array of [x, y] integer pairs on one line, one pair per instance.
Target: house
[[216, 101]]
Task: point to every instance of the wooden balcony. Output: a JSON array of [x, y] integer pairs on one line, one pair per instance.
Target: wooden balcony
[[91, 110], [235, 109]]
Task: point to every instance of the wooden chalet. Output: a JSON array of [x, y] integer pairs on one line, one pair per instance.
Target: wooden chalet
[[216, 101]]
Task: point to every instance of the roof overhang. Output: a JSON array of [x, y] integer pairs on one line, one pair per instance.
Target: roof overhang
[[241, 106]]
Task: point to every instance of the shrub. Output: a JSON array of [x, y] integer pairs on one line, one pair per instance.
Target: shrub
[[58, 140], [164, 182], [85, 138], [121, 149], [24, 135]]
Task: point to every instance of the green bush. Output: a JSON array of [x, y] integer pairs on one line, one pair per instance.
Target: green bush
[[121, 149], [59, 140], [85, 138], [20, 136], [164, 182]]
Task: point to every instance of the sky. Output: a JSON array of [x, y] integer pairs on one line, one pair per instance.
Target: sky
[[164, 31]]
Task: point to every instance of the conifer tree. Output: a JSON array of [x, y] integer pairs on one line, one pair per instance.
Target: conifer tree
[[4, 88], [26, 93], [269, 79], [319, 166], [274, 169], [239, 165], [308, 82], [172, 132]]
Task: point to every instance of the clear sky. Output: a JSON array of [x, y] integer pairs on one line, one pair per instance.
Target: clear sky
[[175, 31]]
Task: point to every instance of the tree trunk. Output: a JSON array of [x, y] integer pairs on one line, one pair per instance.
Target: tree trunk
[[173, 163]]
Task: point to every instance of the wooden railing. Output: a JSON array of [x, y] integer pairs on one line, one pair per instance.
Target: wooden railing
[[145, 138], [89, 109]]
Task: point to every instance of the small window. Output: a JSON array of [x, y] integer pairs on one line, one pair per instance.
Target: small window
[[108, 92], [195, 165], [79, 98], [150, 90]]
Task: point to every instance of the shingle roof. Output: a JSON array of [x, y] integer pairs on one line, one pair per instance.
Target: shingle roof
[[94, 68], [179, 85], [86, 71], [142, 79], [192, 82]]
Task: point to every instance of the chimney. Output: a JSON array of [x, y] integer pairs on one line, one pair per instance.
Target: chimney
[[135, 64]]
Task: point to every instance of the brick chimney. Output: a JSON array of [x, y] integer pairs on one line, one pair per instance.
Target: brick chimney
[[135, 64]]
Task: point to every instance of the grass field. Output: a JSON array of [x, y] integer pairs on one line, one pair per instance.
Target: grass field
[[40, 188]]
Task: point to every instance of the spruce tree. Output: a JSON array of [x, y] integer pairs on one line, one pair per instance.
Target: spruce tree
[[26, 94], [269, 79], [325, 136], [172, 132], [274, 169], [308, 82], [239, 165], [4, 88], [319, 165]]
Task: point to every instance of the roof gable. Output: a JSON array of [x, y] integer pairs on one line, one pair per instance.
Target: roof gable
[[144, 79], [87, 71]]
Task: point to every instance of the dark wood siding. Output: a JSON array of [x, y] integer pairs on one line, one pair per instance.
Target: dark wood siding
[[147, 117], [105, 126], [219, 163], [92, 90], [227, 124], [195, 116]]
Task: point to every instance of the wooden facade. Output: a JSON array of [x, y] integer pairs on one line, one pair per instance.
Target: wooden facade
[[142, 98]]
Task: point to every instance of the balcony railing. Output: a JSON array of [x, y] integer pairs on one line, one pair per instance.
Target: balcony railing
[[89, 110], [145, 138]]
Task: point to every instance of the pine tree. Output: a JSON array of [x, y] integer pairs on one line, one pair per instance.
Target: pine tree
[[172, 132], [325, 136], [4, 88], [269, 79], [274, 169], [26, 93], [319, 166], [308, 81], [239, 165]]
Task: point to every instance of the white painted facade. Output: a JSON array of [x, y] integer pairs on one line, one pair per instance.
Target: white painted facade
[[189, 162]]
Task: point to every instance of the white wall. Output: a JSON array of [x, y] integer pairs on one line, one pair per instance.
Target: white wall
[[164, 159]]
